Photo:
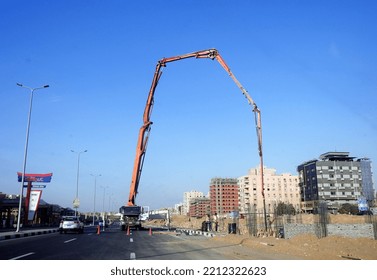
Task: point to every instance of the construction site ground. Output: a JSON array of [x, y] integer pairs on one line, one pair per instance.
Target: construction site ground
[[304, 247]]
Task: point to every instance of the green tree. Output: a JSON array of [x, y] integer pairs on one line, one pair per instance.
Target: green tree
[[285, 209], [348, 208]]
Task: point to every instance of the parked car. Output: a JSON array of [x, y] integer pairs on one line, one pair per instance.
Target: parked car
[[71, 224]]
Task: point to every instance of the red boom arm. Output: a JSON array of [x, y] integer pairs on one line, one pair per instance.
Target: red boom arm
[[146, 127]]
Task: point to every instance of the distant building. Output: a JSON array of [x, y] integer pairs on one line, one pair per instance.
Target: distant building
[[367, 180], [200, 207], [223, 193], [277, 188], [46, 215], [187, 197], [335, 178], [178, 208]]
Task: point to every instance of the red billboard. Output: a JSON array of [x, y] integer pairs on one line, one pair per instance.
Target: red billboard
[[40, 178]]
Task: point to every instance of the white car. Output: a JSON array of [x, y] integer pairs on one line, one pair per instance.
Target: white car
[[71, 223]]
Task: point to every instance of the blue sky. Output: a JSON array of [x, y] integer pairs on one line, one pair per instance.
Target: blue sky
[[309, 65]]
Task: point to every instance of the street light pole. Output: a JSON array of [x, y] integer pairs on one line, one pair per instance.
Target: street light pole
[[110, 195], [25, 152], [77, 181], [95, 188], [103, 207]]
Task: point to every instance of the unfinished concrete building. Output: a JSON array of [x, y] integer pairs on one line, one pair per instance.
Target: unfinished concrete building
[[200, 207], [223, 194], [187, 197]]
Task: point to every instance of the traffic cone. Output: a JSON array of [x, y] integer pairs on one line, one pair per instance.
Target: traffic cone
[[128, 230], [98, 230], [150, 231]]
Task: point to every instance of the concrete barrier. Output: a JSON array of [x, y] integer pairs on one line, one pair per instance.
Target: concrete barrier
[[26, 233], [196, 232]]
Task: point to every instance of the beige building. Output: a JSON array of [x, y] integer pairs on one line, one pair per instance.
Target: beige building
[[187, 197], [277, 188]]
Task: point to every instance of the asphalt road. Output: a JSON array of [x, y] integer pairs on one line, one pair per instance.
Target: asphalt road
[[111, 244]]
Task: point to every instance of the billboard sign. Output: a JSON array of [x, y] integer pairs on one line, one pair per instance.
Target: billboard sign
[[35, 196], [76, 203], [40, 178]]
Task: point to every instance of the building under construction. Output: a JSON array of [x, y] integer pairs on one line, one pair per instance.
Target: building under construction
[[200, 207], [223, 194]]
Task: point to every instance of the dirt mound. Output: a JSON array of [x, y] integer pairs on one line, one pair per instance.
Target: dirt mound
[[309, 246], [304, 246]]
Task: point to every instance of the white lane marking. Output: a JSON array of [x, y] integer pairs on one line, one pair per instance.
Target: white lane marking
[[132, 256], [131, 240], [70, 240], [22, 256]]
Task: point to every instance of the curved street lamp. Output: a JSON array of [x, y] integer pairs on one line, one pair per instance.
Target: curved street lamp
[[25, 152]]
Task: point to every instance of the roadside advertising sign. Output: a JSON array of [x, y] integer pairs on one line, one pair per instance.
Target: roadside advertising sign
[[45, 178], [35, 196]]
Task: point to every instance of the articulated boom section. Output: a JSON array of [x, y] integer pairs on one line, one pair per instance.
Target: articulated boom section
[[146, 127]]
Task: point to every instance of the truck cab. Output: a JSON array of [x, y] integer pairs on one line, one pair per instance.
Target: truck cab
[[130, 217]]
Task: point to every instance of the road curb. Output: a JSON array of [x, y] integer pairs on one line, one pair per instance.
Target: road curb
[[14, 235], [197, 232]]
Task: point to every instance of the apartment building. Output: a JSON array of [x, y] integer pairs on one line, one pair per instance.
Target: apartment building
[[367, 180], [223, 194], [335, 178], [277, 188], [187, 197], [200, 207]]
